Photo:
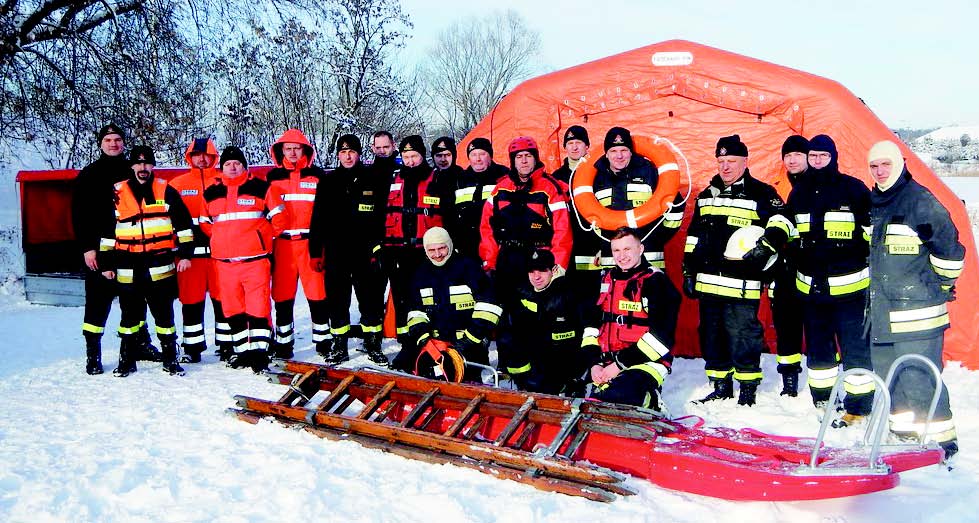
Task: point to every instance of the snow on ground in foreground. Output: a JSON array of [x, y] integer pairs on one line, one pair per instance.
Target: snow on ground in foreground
[[156, 448]]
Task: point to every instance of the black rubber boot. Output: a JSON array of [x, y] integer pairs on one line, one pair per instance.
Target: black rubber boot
[[190, 356], [93, 354], [144, 349], [324, 347], [338, 352], [723, 390], [372, 346], [225, 351], [170, 358], [127, 362], [746, 396], [790, 384]]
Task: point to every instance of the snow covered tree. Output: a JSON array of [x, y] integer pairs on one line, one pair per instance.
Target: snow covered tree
[[474, 63]]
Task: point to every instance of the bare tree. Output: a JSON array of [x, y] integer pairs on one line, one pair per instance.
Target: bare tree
[[474, 63]]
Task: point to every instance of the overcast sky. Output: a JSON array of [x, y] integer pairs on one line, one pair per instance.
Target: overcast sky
[[916, 64]]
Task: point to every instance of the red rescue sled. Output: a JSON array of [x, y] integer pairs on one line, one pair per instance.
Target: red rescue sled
[[575, 447]]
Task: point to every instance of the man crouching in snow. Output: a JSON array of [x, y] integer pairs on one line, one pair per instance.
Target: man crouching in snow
[[630, 347]]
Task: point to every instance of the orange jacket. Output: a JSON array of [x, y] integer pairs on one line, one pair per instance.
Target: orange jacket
[[242, 216], [296, 182], [191, 187]]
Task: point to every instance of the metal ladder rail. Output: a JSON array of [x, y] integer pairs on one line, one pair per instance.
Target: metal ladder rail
[[875, 428], [937, 374]]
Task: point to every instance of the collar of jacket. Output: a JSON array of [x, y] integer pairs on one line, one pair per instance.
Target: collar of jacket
[[879, 197], [625, 274]]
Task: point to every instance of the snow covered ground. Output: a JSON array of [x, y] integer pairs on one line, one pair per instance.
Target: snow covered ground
[[158, 448]]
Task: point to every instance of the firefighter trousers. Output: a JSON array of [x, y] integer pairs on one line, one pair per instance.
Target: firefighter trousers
[[914, 384], [157, 295], [832, 325], [400, 265], [631, 387], [359, 274], [731, 338], [787, 317]]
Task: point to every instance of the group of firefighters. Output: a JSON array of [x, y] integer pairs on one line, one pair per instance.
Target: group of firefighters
[[496, 252]]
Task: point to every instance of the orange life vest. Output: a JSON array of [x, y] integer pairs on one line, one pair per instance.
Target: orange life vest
[[143, 227]]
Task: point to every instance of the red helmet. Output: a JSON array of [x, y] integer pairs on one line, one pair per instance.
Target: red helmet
[[521, 143]]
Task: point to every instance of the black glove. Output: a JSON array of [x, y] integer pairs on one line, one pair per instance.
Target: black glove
[[760, 255], [690, 287]]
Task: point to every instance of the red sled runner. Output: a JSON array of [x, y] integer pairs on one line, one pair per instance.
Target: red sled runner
[[572, 446]]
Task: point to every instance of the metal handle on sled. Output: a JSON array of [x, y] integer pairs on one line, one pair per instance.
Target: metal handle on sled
[[876, 426], [496, 373], [937, 374]]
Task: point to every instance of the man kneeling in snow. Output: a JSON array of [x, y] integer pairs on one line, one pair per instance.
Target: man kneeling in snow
[[630, 346]]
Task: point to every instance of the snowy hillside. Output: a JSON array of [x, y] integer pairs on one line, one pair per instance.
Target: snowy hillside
[[952, 132]]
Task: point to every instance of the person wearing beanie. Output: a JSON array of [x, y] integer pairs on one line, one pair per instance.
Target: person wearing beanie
[[472, 187], [444, 158], [729, 290], [449, 299], [295, 176], [419, 198], [915, 259], [195, 283], [241, 216], [623, 181], [93, 197], [527, 210], [831, 211], [783, 297], [576, 146], [630, 360], [351, 193], [138, 253], [540, 345]]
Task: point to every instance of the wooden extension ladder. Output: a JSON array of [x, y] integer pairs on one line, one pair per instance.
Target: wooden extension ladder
[[530, 438]]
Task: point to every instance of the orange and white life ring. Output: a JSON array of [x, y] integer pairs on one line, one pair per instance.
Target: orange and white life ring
[[666, 188]]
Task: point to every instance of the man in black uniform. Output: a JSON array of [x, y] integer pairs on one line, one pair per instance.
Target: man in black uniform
[[729, 290], [831, 211], [472, 187], [138, 252], [915, 259], [92, 213], [576, 146], [541, 347], [629, 350], [385, 155], [346, 227], [450, 300], [623, 181], [782, 294]]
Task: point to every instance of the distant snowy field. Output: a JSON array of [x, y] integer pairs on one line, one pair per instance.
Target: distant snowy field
[[156, 448]]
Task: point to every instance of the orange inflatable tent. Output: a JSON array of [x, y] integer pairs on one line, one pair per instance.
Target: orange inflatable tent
[[692, 94]]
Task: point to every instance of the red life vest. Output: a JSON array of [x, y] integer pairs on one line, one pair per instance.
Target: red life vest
[[624, 317], [427, 212], [143, 227]]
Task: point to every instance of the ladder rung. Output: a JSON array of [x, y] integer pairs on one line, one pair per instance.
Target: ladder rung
[[464, 415], [376, 400], [576, 442], [474, 428], [420, 407], [336, 394], [432, 414], [528, 429], [299, 389], [518, 418], [386, 411]]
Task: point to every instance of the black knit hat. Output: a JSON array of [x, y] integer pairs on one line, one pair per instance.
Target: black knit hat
[[540, 260], [795, 144], [618, 136], [413, 143], [444, 144], [232, 153], [480, 143], [142, 154], [349, 142], [731, 146], [111, 128], [576, 132]]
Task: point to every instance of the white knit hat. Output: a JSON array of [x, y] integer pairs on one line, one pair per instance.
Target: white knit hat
[[888, 150], [435, 236]]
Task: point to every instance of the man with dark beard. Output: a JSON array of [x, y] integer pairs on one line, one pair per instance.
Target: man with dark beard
[[350, 194]]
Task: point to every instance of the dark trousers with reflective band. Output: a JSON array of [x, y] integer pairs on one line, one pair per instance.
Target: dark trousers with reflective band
[[731, 338], [367, 281], [510, 274], [400, 265], [913, 385], [158, 295], [831, 325], [631, 387], [99, 293], [787, 317]]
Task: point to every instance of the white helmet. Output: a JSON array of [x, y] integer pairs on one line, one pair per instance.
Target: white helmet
[[742, 241]]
